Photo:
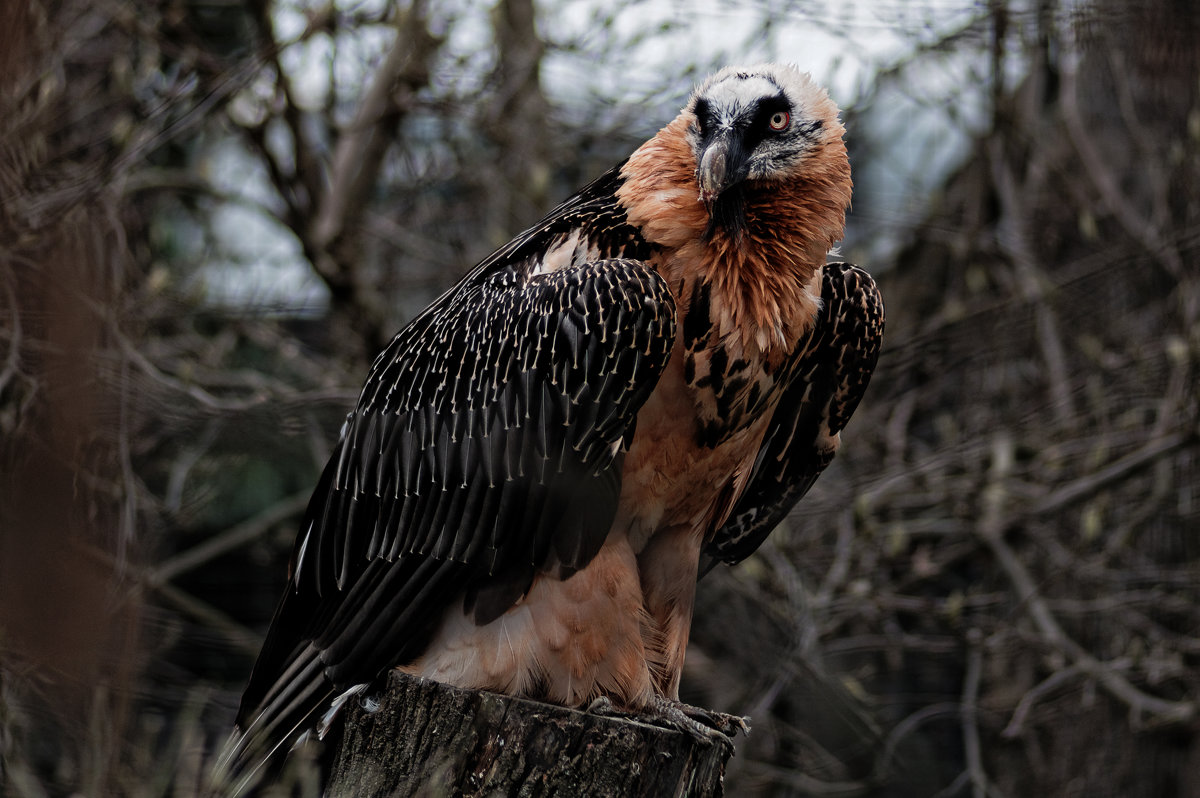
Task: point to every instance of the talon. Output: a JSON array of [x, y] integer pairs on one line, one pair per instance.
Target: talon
[[703, 725], [738, 722], [601, 706]]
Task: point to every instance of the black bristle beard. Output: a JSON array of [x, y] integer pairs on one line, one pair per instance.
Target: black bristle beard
[[728, 212]]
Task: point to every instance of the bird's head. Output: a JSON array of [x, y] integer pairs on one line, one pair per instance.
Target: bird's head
[[766, 123]]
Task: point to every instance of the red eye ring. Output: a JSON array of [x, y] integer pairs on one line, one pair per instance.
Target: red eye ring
[[779, 120]]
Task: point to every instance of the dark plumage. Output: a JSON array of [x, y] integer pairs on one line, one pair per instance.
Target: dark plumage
[[655, 372], [830, 375]]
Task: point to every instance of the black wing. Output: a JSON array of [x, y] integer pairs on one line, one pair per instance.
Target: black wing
[[831, 374], [485, 447]]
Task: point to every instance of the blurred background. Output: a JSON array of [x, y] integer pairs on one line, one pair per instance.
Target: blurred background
[[213, 214]]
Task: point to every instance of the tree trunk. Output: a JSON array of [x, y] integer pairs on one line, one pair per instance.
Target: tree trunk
[[428, 739]]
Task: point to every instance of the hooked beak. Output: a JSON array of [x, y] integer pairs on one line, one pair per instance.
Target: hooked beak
[[722, 164]]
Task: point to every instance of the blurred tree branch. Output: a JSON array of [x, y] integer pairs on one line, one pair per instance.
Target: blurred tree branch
[[943, 614], [327, 198]]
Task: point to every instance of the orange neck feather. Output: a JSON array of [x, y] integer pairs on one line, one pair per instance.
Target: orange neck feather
[[765, 285]]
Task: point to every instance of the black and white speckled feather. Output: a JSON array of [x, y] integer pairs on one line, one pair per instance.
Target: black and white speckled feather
[[830, 373], [481, 430]]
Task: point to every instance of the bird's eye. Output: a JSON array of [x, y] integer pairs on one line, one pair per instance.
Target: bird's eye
[[779, 120]]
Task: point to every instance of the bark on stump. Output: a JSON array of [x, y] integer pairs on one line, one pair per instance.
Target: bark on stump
[[431, 740]]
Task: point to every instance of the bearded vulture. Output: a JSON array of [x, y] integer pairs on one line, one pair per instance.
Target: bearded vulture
[[544, 461]]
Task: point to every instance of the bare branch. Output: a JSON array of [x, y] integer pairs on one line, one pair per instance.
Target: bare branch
[[1140, 228], [970, 721], [249, 530], [990, 530], [1016, 724], [1088, 484], [361, 146]]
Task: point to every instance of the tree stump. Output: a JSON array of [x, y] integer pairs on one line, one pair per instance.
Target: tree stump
[[431, 740]]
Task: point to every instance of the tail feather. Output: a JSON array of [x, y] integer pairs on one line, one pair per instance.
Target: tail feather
[[286, 715]]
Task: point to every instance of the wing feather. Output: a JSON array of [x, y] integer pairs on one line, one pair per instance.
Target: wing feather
[[484, 448], [832, 370]]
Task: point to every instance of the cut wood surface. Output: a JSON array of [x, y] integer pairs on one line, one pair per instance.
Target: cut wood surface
[[431, 740]]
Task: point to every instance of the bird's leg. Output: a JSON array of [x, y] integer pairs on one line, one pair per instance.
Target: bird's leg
[[668, 566], [704, 725]]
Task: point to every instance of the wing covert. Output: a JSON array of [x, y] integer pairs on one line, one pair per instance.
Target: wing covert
[[832, 371], [485, 447]]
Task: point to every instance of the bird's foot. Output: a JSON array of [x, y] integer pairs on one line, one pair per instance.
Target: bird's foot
[[605, 707], [703, 725]]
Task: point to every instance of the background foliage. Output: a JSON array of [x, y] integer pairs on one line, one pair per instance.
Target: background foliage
[[213, 214]]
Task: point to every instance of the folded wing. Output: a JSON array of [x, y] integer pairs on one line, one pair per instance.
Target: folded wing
[[485, 448], [831, 372]]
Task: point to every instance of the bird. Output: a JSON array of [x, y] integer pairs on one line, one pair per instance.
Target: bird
[[543, 463]]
